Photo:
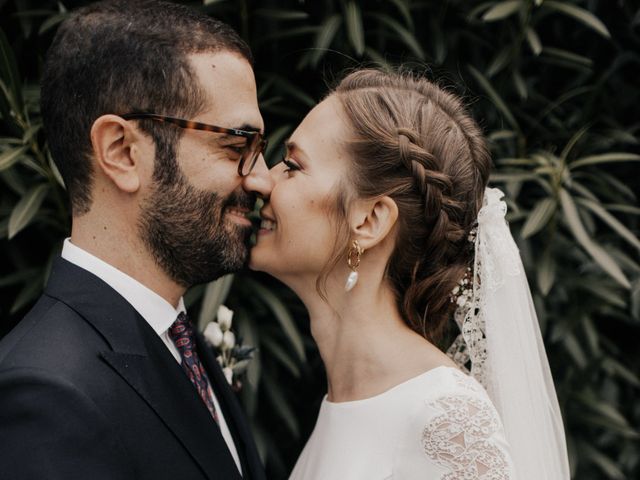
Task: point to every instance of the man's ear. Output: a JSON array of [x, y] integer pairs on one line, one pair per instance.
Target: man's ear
[[373, 220], [115, 144]]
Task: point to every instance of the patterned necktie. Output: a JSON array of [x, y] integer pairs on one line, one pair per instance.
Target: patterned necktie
[[181, 332]]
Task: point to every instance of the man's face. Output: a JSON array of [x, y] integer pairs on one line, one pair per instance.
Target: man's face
[[194, 222]]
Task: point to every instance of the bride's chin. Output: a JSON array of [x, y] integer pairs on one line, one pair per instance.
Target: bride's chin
[[257, 259]]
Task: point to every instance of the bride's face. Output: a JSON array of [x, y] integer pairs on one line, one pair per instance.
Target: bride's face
[[298, 232]]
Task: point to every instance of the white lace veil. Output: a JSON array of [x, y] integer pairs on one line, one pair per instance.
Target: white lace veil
[[501, 337]]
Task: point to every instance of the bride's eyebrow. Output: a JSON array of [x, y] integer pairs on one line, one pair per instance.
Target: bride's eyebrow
[[294, 147]]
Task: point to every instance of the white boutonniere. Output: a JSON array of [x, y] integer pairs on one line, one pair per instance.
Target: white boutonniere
[[231, 355]]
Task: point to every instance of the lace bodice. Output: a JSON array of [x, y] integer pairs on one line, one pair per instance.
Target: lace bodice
[[440, 425]]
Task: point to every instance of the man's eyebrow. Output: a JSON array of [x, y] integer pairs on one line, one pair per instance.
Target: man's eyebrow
[[248, 128]]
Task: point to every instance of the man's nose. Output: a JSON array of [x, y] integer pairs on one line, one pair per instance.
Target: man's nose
[[259, 181]]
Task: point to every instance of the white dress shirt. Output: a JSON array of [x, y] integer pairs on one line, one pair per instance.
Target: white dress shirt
[[157, 312]]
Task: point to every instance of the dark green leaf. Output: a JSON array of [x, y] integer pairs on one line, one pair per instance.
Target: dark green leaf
[[9, 73], [402, 33], [580, 14], [26, 209], [605, 158], [495, 97], [324, 38], [281, 14], [9, 157], [353, 19], [539, 217], [534, 41], [601, 257], [282, 315], [502, 10]]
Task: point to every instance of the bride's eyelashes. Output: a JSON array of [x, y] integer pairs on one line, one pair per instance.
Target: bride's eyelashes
[[291, 166]]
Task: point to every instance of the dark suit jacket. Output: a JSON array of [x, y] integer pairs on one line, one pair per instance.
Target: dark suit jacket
[[89, 391]]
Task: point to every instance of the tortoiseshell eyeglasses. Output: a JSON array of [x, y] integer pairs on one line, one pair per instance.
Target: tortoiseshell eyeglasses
[[254, 145]]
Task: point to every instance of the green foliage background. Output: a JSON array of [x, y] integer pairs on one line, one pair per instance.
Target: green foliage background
[[555, 86]]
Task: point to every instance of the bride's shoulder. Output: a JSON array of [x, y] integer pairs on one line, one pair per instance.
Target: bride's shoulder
[[453, 420], [450, 392], [445, 381]]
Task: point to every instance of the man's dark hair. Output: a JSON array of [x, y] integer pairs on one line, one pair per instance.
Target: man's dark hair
[[120, 56]]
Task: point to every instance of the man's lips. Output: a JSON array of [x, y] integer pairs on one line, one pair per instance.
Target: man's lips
[[239, 214]]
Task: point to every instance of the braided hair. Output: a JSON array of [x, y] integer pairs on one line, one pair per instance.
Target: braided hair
[[416, 143]]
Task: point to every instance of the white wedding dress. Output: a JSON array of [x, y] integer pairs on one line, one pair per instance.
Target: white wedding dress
[[440, 425]]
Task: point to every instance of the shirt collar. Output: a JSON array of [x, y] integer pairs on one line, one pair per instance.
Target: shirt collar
[[158, 313]]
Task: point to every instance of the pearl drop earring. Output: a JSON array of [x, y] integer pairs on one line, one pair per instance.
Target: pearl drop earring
[[353, 260]]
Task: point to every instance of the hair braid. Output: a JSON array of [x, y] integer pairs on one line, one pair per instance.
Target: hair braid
[[415, 142]]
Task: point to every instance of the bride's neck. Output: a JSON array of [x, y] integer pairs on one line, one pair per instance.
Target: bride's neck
[[364, 343]]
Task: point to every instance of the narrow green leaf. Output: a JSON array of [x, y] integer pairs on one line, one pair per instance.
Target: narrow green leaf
[[605, 158], [282, 316], [280, 405], [14, 181], [214, 295], [30, 132], [610, 220], [378, 58], [607, 465], [403, 7], [402, 33], [575, 350], [499, 135], [575, 138], [513, 177], [520, 84], [27, 295], [546, 272], [9, 72], [570, 57], [19, 277], [600, 256], [54, 169], [275, 141], [515, 161], [291, 32], [494, 96], [501, 60], [539, 217], [9, 157], [26, 209], [279, 353], [324, 38], [635, 300], [355, 31], [614, 367], [281, 14], [580, 14], [52, 22], [502, 10], [250, 336], [534, 41]]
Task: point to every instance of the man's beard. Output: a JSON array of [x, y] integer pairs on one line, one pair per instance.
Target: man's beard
[[186, 231]]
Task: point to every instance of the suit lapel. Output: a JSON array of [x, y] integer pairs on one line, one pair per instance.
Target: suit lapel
[[161, 382], [243, 439], [138, 355]]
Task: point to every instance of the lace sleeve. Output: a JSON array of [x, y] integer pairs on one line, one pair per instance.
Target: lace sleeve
[[455, 436]]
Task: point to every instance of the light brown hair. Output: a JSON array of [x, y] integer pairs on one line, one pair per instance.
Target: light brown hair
[[416, 143]]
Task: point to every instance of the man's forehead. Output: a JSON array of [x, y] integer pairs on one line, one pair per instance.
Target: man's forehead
[[228, 82]]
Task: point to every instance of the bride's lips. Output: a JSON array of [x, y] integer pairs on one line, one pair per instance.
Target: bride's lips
[[238, 214], [267, 224]]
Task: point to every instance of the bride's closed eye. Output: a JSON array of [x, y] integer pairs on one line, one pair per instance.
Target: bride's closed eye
[[291, 166]]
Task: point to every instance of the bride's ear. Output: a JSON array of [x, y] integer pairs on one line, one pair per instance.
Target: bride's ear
[[373, 220]]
